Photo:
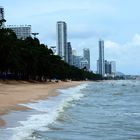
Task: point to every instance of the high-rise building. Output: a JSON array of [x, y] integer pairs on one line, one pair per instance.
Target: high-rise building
[[21, 31], [107, 68], [77, 61], [2, 16], [84, 64], [69, 53], [110, 68], [74, 54], [62, 40], [101, 69], [86, 54], [113, 68]]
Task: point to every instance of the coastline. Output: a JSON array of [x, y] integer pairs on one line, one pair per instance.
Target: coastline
[[15, 93]]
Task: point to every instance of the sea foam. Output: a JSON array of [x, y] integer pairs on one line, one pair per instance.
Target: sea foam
[[48, 111]]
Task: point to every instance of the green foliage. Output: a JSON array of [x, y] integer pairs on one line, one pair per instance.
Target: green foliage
[[29, 60]]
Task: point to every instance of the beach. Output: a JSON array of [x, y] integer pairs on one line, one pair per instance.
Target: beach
[[72, 111], [14, 93]]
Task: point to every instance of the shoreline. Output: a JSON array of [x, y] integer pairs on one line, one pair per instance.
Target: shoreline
[[14, 93]]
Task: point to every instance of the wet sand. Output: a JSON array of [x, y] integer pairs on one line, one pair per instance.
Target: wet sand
[[15, 93]]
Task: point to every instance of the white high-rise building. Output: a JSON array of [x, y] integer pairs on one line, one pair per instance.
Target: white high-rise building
[[113, 68], [86, 54], [22, 31], [2, 16], [62, 40], [100, 62], [74, 54]]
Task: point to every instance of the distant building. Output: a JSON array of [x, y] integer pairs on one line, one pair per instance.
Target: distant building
[[21, 31], [107, 68], [97, 67], [69, 53], [77, 61], [110, 68], [2, 16], [86, 54], [113, 68], [62, 40], [100, 62], [80, 62], [84, 64], [74, 52]]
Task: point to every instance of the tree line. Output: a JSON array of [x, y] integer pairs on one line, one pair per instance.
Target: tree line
[[30, 60]]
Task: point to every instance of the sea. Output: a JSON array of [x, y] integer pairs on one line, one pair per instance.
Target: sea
[[104, 110]]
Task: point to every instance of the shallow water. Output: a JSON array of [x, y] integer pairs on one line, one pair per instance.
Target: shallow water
[[108, 110]]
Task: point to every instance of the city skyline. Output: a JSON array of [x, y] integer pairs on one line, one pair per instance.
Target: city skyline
[[112, 21]]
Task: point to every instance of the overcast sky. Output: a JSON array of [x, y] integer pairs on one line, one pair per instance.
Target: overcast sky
[[117, 22]]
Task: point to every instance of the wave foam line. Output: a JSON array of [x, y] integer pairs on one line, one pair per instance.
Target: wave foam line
[[49, 111]]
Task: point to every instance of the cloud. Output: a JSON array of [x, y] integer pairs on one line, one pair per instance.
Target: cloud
[[82, 32], [126, 55], [111, 44]]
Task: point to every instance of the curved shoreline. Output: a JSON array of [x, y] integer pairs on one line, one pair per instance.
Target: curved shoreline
[[17, 93]]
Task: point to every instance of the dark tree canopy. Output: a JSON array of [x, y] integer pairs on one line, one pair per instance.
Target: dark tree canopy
[[29, 60]]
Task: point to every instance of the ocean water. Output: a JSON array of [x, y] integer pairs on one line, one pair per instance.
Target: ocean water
[[108, 110]]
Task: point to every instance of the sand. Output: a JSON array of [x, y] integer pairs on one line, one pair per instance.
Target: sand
[[15, 93]]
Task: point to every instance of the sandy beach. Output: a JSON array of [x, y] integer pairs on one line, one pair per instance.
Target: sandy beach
[[15, 93]]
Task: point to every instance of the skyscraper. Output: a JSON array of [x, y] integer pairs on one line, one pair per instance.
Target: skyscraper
[[62, 40], [69, 53], [84, 64], [110, 68], [107, 68], [113, 68], [101, 68], [86, 54], [2, 16], [74, 54]]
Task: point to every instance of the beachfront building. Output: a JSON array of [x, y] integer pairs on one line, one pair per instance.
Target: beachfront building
[[84, 64], [80, 62], [69, 53], [22, 31], [110, 68], [107, 68], [100, 62], [113, 68], [62, 40], [77, 61], [74, 54], [86, 54], [2, 17]]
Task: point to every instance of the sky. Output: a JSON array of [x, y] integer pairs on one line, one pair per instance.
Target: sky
[[117, 22]]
